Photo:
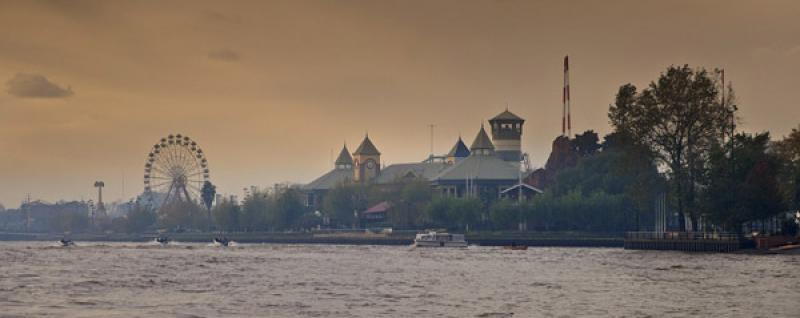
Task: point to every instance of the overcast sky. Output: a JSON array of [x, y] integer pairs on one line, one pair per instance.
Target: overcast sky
[[269, 88]]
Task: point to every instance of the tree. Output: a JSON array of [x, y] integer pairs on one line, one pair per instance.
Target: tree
[[437, 213], [586, 144], [743, 187], [254, 211], [208, 192], [139, 218], [226, 215], [679, 117], [177, 215], [788, 150], [505, 214], [407, 209], [68, 221], [287, 210], [467, 212], [343, 201]]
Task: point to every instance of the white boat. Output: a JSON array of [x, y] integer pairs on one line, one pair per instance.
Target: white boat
[[434, 239]]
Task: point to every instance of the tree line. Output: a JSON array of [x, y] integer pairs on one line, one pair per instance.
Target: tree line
[[278, 210]]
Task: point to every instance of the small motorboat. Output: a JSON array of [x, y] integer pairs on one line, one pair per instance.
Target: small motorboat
[[434, 239], [163, 240], [222, 241], [66, 242], [516, 247]]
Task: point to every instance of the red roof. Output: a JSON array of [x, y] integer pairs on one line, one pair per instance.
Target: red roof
[[379, 208]]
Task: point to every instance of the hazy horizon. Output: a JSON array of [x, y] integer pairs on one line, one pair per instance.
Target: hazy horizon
[[270, 89]]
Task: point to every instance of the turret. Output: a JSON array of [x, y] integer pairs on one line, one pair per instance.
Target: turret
[[458, 152], [482, 146], [507, 135], [344, 161]]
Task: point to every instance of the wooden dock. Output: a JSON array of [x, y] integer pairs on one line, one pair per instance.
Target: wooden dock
[[682, 241]]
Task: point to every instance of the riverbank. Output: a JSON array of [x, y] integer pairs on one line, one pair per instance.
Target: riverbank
[[556, 239]]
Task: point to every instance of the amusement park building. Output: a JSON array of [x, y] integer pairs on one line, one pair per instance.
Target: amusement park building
[[490, 168]]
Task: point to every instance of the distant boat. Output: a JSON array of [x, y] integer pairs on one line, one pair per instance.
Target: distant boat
[[163, 240], [66, 242], [434, 239], [223, 241]]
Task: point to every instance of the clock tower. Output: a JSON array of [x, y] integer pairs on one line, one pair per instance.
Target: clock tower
[[366, 161]]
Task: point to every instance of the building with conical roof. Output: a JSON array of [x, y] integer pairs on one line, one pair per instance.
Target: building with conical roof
[[342, 173], [344, 160], [487, 169], [481, 174], [458, 152], [366, 161], [482, 145]]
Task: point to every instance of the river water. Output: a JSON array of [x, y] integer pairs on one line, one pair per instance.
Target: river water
[[197, 280]]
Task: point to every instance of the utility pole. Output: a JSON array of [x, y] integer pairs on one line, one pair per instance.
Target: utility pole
[[431, 126], [27, 212]]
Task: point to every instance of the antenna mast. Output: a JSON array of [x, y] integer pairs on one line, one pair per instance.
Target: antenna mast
[[566, 121]]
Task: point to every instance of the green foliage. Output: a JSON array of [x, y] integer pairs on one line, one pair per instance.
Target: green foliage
[[343, 201], [264, 211], [408, 207], [286, 209], [139, 218], [226, 215], [678, 118], [505, 214], [454, 213], [788, 150], [208, 192], [586, 144], [597, 211], [745, 188], [623, 169], [68, 221], [254, 212], [182, 215]]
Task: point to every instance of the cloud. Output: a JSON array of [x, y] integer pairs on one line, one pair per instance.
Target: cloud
[[224, 55], [35, 86]]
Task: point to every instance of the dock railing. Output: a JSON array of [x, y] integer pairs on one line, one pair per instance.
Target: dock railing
[[681, 236]]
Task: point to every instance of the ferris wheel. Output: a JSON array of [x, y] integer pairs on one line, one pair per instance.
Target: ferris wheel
[[176, 170]]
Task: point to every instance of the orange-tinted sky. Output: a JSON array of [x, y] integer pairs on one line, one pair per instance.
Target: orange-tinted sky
[[269, 88]]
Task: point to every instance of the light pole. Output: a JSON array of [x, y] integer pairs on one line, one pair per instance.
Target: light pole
[[100, 207]]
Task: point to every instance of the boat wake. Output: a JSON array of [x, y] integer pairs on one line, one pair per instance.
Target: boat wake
[[222, 242]]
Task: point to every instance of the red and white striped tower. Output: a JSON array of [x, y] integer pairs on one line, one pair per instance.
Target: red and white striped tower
[[566, 121]]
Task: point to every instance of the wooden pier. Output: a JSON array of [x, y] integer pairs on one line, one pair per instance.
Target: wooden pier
[[682, 241]]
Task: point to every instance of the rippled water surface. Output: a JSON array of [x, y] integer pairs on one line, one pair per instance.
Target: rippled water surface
[[196, 280]]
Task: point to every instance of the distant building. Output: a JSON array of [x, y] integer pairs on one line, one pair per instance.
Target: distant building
[[484, 173], [39, 216], [486, 169], [342, 173], [458, 152], [376, 214], [366, 161], [507, 135]]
